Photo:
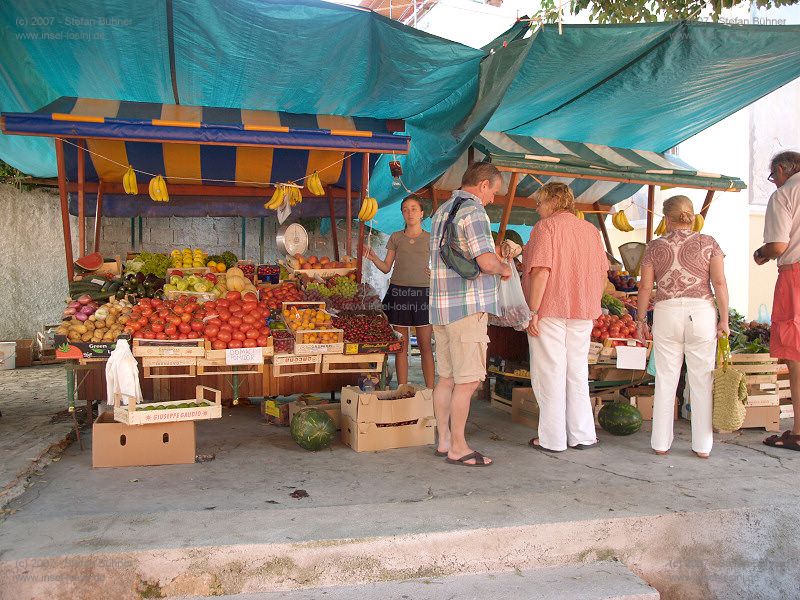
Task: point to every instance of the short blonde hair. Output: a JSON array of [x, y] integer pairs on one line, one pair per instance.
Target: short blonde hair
[[679, 209], [558, 194]]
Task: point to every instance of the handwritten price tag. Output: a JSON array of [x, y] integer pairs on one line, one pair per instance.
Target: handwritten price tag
[[244, 356]]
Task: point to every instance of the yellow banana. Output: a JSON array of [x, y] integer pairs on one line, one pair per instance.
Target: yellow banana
[[662, 227], [298, 194], [362, 213], [151, 189], [699, 221], [162, 187], [129, 182], [621, 222], [276, 199], [580, 215], [374, 209], [314, 184]]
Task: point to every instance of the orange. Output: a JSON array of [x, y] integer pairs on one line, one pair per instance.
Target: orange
[[221, 268]]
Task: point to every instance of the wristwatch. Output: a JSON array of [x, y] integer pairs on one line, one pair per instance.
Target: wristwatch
[[534, 311], [758, 253]]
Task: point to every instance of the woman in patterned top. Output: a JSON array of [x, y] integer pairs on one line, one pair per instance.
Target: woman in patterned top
[[684, 265]]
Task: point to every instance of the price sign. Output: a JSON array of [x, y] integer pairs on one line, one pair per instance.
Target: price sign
[[284, 210], [244, 356]]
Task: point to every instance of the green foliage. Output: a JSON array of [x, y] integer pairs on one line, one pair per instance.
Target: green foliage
[[9, 174], [644, 11], [747, 337]]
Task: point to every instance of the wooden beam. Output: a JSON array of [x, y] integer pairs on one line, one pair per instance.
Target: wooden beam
[[348, 170], [334, 233], [707, 203], [651, 206], [62, 192], [364, 186], [520, 202], [81, 199], [470, 154], [509, 203], [601, 219], [98, 215]]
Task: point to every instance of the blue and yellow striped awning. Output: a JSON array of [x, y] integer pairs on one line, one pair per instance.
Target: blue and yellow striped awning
[[156, 122]]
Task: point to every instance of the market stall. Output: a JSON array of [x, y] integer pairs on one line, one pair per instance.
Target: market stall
[[600, 177], [151, 159]]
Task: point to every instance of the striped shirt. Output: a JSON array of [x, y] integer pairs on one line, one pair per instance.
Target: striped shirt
[[452, 297]]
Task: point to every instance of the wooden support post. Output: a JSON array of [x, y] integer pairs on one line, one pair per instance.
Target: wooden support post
[[348, 171], [601, 218], [651, 206], [62, 192], [133, 234], [364, 193], [434, 202], [81, 199], [512, 191], [334, 233], [98, 215], [141, 227], [470, 155], [244, 238], [707, 203]]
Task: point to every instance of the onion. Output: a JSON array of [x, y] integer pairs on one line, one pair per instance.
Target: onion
[[74, 304], [94, 305], [85, 299], [68, 312], [86, 310], [81, 317]]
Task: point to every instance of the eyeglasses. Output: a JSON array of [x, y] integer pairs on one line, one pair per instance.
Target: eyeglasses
[[771, 177]]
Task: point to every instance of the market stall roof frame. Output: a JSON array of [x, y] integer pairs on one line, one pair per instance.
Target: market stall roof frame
[[158, 122]]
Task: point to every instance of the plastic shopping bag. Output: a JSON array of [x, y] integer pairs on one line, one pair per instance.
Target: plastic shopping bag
[[122, 374], [514, 311]]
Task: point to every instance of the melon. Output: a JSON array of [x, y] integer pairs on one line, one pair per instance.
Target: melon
[[90, 262], [619, 418], [312, 429], [235, 271], [235, 283]]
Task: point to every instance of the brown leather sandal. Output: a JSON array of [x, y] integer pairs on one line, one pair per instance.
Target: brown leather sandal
[[480, 461], [786, 440]]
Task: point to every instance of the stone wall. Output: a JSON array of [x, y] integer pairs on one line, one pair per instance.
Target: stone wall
[[32, 251]]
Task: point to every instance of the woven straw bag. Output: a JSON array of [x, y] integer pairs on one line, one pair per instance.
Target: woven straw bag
[[730, 391]]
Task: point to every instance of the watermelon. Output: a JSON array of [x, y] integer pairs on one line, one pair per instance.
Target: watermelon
[[312, 429], [90, 262], [618, 418]]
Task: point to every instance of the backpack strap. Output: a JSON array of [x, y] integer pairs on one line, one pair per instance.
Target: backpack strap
[[456, 206]]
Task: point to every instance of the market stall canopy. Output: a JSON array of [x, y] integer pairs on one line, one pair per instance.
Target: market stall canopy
[[595, 173]]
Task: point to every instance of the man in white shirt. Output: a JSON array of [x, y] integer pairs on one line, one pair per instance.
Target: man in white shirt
[[782, 242]]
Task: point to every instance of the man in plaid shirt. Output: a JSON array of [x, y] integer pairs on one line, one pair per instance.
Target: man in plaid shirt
[[459, 310]]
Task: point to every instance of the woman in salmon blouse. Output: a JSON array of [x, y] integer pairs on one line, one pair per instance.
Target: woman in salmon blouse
[[564, 271]]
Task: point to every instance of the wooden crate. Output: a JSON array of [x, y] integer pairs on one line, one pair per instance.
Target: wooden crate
[[761, 375], [291, 365], [767, 417], [358, 363], [195, 347], [301, 347], [201, 296], [131, 416], [149, 363], [210, 367], [268, 350], [188, 271]]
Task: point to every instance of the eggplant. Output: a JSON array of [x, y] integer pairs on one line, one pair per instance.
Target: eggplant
[[140, 278], [140, 291]]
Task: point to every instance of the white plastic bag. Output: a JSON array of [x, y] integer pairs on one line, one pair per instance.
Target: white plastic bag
[[514, 311], [122, 374]]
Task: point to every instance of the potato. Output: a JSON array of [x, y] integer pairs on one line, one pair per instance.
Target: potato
[[74, 336], [123, 320], [111, 319], [89, 325], [62, 330], [86, 337], [80, 329]]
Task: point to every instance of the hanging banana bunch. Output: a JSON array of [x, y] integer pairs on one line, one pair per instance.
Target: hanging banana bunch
[[314, 184], [580, 215], [295, 195], [369, 208], [129, 182], [158, 189], [662, 227], [699, 221], [620, 221], [277, 197]]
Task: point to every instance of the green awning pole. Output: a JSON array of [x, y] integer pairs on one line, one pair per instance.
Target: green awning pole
[[261, 242], [140, 232], [133, 234], [243, 237]]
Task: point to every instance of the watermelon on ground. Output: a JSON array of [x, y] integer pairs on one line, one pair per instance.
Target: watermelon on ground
[[619, 418], [312, 429]]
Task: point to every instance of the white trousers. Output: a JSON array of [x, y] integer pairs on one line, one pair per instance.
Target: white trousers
[[684, 327], [560, 381]]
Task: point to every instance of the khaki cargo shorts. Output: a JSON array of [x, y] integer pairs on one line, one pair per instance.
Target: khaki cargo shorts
[[461, 348]]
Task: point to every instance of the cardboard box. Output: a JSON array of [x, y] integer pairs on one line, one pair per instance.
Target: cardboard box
[[645, 406], [524, 407], [380, 420], [24, 353], [119, 445], [368, 437]]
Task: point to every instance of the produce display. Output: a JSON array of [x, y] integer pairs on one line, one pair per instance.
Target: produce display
[[612, 326], [365, 300], [613, 305], [86, 321], [269, 273], [342, 286], [222, 262], [148, 263], [275, 296], [303, 319], [194, 283], [312, 429], [188, 258], [748, 337], [248, 270], [364, 328], [622, 281], [283, 341], [302, 263], [235, 280], [174, 406], [620, 418]]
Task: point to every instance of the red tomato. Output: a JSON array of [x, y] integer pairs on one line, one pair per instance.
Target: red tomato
[[245, 327], [184, 328], [596, 332], [235, 344], [252, 334], [215, 321], [218, 345], [161, 336], [178, 310], [148, 335], [233, 295], [238, 335], [222, 303], [163, 313], [182, 336], [209, 306], [249, 296], [248, 318], [249, 306], [186, 317], [144, 301], [211, 331], [196, 325], [249, 343], [225, 327], [235, 321], [146, 311], [224, 336], [262, 340], [157, 327], [171, 329], [223, 314]]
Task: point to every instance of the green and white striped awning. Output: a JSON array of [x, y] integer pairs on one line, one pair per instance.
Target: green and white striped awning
[[595, 173]]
